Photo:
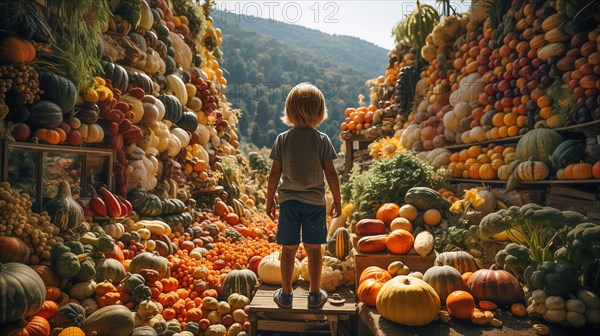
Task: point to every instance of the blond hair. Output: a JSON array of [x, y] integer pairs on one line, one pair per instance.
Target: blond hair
[[304, 106]]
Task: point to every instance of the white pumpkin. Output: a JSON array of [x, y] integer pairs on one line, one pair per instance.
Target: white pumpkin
[[466, 137], [478, 134], [204, 134], [269, 269], [451, 121], [462, 110], [115, 230], [455, 98], [177, 87], [182, 135]]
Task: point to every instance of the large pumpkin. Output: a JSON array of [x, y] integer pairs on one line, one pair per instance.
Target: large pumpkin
[[339, 243], [538, 144], [22, 292], [241, 282], [399, 241], [110, 269], [497, 286], [374, 272], [59, 90], [408, 300], [63, 209], [14, 48], [13, 250], [44, 114], [35, 326], [151, 261], [269, 269], [445, 280], [115, 320], [461, 260]]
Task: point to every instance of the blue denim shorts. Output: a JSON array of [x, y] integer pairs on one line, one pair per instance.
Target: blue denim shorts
[[294, 216]]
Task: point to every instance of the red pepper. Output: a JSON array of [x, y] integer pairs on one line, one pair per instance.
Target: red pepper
[[114, 116], [97, 204], [112, 204], [86, 209], [127, 204], [116, 142], [125, 125], [136, 92]]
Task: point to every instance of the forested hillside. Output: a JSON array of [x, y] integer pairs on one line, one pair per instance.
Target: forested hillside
[[265, 59]]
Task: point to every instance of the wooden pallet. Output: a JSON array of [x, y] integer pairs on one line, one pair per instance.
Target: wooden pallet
[[265, 315]]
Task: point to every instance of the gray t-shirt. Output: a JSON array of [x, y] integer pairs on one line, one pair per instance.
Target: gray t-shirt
[[302, 153]]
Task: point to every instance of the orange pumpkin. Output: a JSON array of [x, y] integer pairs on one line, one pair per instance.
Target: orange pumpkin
[[49, 277], [53, 293], [596, 170], [374, 272], [460, 304], [432, 217], [400, 241], [48, 135], [387, 212], [15, 49], [49, 308], [581, 171], [487, 172], [367, 291], [465, 276], [34, 326]]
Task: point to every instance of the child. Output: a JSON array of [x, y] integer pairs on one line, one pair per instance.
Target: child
[[300, 156]]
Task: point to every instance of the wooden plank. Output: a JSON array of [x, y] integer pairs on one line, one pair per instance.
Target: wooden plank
[[263, 301], [380, 326], [566, 199], [571, 192]]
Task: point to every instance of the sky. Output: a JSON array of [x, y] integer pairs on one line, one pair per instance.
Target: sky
[[368, 20]]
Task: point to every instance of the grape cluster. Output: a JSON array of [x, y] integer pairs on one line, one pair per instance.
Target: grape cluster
[[17, 220], [207, 94], [20, 79]]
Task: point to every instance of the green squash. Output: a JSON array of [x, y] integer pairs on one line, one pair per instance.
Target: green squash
[[44, 114], [141, 80], [131, 281], [570, 151], [144, 331], [173, 108], [117, 75], [461, 260], [68, 315], [109, 269], [424, 198], [538, 144], [59, 90], [188, 121], [114, 320], [445, 280], [339, 244], [87, 271], [22, 292], [67, 265], [239, 281], [63, 209], [192, 327]]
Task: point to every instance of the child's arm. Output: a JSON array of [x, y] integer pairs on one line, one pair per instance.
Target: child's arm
[[274, 177], [334, 186]]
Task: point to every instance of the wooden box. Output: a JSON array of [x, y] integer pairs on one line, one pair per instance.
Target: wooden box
[[415, 262]]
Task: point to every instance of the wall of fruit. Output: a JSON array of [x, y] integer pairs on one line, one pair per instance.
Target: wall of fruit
[[175, 247], [507, 93]]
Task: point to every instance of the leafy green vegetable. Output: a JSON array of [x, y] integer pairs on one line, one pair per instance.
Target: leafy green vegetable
[[539, 225], [583, 252], [386, 181], [514, 258], [555, 278]]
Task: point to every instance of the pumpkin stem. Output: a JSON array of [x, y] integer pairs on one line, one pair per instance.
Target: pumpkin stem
[[407, 281]]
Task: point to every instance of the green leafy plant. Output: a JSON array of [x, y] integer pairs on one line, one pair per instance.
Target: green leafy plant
[[386, 181]]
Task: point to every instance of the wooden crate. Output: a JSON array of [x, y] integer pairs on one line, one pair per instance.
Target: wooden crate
[[382, 259]]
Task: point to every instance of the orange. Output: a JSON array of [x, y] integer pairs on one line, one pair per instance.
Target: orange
[[498, 119], [474, 151]]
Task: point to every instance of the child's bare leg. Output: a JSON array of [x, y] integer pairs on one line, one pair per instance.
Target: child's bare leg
[[288, 259], [315, 262]]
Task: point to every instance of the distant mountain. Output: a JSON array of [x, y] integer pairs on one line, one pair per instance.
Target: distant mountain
[[265, 59]]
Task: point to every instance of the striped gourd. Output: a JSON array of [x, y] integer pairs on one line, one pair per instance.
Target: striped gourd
[[339, 244], [241, 282], [531, 170], [570, 151], [461, 260]]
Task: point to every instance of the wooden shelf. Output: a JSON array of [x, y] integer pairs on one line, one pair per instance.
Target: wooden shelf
[[593, 181], [515, 139]]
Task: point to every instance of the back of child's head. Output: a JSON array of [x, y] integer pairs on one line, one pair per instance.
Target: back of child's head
[[304, 106]]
